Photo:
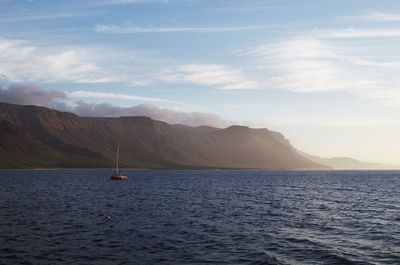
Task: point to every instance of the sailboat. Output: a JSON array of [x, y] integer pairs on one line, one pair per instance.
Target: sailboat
[[118, 175]]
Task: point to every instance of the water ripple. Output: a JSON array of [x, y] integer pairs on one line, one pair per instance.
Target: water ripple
[[200, 217]]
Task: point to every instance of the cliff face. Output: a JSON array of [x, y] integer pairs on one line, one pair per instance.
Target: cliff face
[[32, 137]]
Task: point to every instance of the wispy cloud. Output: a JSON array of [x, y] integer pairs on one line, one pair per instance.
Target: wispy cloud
[[308, 64], [137, 29], [380, 16], [47, 16], [32, 94], [107, 95], [21, 61], [349, 33], [299, 64], [212, 75], [122, 2], [127, 2]]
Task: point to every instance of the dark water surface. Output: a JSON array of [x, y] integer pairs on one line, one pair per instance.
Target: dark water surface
[[200, 217]]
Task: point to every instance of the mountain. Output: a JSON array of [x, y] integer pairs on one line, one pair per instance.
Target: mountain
[[347, 163], [38, 137]]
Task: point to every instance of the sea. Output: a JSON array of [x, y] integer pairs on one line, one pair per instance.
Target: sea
[[199, 217]]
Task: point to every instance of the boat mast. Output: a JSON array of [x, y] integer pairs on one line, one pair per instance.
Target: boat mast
[[117, 157]]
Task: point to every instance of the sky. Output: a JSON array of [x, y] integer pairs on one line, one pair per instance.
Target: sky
[[324, 73]]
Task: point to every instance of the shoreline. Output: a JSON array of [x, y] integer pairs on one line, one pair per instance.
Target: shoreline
[[194, 169]]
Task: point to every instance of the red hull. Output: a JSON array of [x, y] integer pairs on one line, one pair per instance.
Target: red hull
[[119, 177]]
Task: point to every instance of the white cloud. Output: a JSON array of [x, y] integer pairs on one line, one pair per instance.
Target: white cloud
[[121, 2], [364, 62], [301, 64], [213, 75], [137, 29], [37, 17], [107, 95], [352, 33], [70, 65], [309, 64], [126, 2], [381, 16], [20, 61]]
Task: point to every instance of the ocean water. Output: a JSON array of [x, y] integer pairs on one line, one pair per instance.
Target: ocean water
[[200, 217]]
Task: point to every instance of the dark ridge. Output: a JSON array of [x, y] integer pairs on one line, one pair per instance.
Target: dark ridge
[[33, 136]]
